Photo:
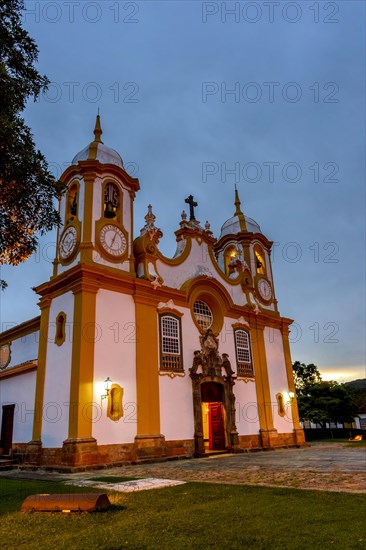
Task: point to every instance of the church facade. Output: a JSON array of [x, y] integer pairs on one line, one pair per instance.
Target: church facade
[[136, 356]]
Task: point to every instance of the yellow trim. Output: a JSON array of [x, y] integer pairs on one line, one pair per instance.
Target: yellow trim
[[66, 261], [99, 224], [130, 242], [118, 219], [68, 217], [18, 331], [89, 180], [96, 168], [261, 375], [44, 305], [82, 362], [259, 255], [18, 369], [207, 291], [257, 278], [167, 309], [290, 376], [173, 261], [147, 368]]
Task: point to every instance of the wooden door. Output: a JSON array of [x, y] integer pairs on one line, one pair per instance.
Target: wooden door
[[7, 428], [216, 427]]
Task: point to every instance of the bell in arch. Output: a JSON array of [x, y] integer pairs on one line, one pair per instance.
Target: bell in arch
[[109, 211]]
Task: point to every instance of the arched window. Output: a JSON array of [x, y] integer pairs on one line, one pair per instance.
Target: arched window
[[243, 353], [260, 263], [229, 254], [170, 343], [203, 314], [111, 204], [72, 204], [60, 328]]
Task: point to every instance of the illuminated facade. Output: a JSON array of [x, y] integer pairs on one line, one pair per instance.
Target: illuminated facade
[[137, 356]]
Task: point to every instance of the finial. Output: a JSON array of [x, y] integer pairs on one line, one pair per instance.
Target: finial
[[150, 217], [184, 216], [237, 203], [98, 130]]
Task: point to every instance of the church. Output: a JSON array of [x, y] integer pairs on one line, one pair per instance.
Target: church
[[136, 356]]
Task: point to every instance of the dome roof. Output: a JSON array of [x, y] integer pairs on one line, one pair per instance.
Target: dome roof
[[96, 150], [235, 225], [239, 222]]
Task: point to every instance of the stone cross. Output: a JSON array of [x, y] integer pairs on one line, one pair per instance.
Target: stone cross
[[189, 200]]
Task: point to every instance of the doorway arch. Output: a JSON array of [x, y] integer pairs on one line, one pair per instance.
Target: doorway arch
[[214, 396]]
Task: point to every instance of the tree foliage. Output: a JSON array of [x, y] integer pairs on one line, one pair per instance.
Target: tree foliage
[[305, 375], [321, 401], [27, 188]]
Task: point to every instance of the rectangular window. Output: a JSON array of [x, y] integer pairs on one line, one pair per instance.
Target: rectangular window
[[170, 344], [243, 354]]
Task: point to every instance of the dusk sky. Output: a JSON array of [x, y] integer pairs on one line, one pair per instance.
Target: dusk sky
[[199, 96]]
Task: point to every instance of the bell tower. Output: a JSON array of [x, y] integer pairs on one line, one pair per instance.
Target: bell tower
[[84, 306], [96, 210]]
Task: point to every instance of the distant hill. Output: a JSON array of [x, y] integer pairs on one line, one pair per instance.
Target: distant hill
[[359, 384]]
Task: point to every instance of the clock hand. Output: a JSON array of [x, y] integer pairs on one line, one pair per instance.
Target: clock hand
[[114, 238]]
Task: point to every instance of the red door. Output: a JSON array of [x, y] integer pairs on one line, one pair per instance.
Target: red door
[[216, 427], [7, 428]]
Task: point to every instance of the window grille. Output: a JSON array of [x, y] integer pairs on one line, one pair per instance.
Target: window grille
[[170, 342], [243, 353], [203, 314]]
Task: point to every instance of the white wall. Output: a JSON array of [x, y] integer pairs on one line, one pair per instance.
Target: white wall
[[277, 378], [20, 390], [246, 407], [198, 263], [115, 356], [247, 421], [55, 417], [176, 400]]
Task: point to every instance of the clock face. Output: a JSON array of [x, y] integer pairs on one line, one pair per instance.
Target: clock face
[[68, 242], [264, 289], [113, 240]]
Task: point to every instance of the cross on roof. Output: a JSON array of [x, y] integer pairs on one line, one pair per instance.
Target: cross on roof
[[189, 200]]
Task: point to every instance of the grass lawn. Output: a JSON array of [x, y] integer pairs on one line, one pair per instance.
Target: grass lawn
[[191, 516]]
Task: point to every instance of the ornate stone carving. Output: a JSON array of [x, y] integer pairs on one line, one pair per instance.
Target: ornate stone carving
[[209, 359], [5, 355], [203, 271], [241, 321], [149, 228], [211, 364]]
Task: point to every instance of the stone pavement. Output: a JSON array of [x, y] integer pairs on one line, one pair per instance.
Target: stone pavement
[[324, 466]]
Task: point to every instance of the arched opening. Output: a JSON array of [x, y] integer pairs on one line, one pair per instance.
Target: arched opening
[[260, 263], [229, 255], [60, 335], [72, 201], [213, 416], [112, 200]]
